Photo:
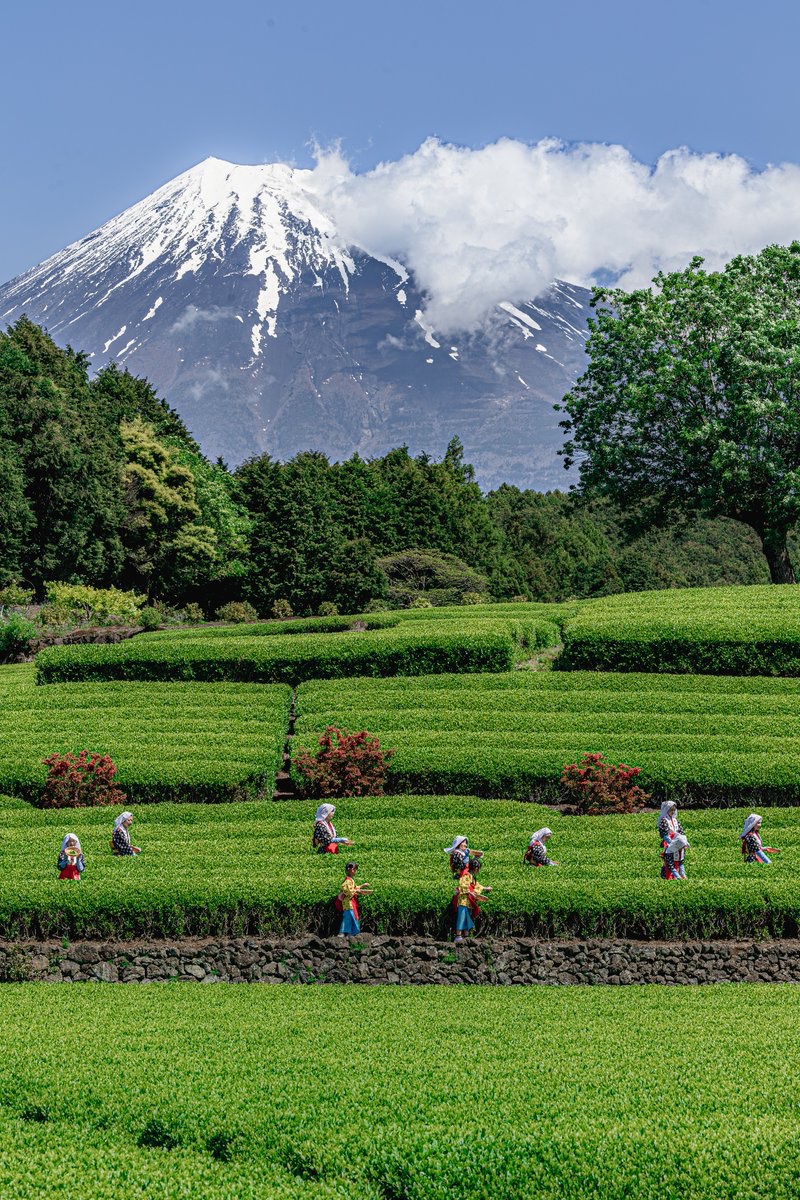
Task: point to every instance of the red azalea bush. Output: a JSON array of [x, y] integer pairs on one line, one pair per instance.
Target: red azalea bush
[[344, 764], [80, 781], [599, 787]]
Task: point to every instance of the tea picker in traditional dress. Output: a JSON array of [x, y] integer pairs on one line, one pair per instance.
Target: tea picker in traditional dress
[[752, 848], [536, 852], [466, 900], [325, 839], [461, 856], [347, 902], [668, 824], [121, 838], [70, 860], [673, 858]]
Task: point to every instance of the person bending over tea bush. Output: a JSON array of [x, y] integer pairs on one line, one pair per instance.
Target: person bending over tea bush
[[752, 848]]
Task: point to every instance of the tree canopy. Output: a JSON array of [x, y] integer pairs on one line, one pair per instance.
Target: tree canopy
[[691, 401], [103, 485]]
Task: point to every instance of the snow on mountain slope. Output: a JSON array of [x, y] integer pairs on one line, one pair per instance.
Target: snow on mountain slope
[[230, 289]]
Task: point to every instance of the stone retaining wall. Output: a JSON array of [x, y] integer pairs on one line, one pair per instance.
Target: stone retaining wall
[[379, 959]]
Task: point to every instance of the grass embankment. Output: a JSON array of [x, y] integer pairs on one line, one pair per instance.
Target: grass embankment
[[412, 648], [237, 868], [334, 1092], [716, 631], [703, 740], [169, 742]]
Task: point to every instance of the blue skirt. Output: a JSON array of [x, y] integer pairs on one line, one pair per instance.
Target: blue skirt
[[349, 926], [463, 920]]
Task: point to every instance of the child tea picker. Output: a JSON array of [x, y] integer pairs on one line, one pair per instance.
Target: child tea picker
[[673, 858], [347, 902], [70, 860], [536, 853], [752, 848], [466, 900]]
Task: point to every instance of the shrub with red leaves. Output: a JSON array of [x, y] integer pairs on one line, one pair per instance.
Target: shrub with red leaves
[[345, 764], [80, 780], [599, 787]]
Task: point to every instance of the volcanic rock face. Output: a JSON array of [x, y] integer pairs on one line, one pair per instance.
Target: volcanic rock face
[[230, 289]]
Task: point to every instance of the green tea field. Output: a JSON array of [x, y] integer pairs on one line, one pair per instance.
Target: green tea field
[[248, 868], [332, 1092], [701, 739]]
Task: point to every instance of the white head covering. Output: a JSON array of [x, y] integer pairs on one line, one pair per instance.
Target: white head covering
[[540, 835], [70, 837], [457, 840], [122, 817], [324, 811], [665, 807], [679, 842], [750, 824]]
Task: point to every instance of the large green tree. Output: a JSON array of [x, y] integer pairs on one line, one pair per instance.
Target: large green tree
[[691, 401]]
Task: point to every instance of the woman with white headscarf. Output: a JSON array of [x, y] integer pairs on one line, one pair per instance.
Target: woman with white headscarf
[[752, 848], [460, 855], [325, 839], [121, 838], [668, 824], [673, 856], [70, 860], [536, 853]]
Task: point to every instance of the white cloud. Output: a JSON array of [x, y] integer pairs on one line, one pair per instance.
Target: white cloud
[[500, 223], [192, 315]]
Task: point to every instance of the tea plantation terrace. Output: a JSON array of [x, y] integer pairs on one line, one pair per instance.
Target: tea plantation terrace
[[698, 739], [186, 741], [417, 648], [247, 868]]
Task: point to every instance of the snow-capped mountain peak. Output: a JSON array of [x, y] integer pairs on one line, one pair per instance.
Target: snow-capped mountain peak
[[232, 290]]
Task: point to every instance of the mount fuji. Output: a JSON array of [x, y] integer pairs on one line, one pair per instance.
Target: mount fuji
[[231, 290]]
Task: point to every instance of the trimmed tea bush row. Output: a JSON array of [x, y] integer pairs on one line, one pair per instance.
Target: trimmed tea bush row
[[718, 631], [185, 742], [701, 740], [477, 646], [568, 1098], [544, 615], [208, 870]]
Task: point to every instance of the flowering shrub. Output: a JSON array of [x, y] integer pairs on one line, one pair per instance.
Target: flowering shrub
[[80, 780], [599, 787], [282, 610], [328, 609], [345, 764]]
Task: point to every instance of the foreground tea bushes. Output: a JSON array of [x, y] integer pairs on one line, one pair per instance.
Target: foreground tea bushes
[[185, 742], [718, 631], [243, 868], [562, 1093], [703, 740], [410, 649]]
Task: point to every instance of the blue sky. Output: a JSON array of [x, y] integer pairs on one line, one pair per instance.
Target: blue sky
[[103, 102]]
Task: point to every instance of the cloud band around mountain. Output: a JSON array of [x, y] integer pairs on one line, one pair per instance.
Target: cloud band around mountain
[[501, 222]]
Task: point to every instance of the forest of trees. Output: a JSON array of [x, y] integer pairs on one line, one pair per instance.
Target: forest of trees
[[103, 484]]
